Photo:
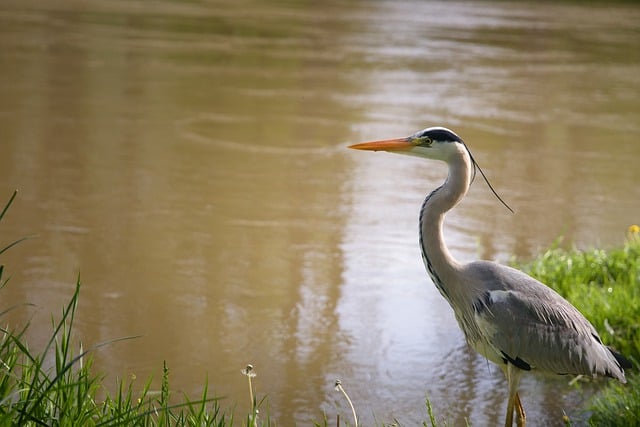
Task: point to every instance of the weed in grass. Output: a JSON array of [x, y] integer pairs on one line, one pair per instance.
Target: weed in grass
[[338, 387], [253, 417]]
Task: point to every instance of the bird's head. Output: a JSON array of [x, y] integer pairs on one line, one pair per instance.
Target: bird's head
[[433, 143]]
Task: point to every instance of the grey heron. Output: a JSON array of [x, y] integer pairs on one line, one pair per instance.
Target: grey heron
[[508, 317]]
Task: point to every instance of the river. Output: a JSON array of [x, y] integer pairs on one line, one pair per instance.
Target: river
[[188, 160]]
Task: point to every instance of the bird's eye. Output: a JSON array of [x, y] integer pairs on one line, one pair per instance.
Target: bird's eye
[[425, 140]]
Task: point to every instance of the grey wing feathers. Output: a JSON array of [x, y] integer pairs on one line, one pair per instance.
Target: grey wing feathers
[[532, 326]]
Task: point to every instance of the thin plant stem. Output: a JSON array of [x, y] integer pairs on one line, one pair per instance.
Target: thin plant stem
[[250, 373], [353, 410]]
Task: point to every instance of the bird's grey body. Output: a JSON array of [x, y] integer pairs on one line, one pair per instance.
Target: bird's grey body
[[507, 316]]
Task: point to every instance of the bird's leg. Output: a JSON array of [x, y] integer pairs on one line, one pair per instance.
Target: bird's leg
[[521, 417], [509, 421], [513, 378]]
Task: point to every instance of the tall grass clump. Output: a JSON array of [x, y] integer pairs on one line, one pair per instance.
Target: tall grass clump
[[33, 393], [605, 286]]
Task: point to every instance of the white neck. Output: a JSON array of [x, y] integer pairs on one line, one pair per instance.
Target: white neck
[[439, 262]]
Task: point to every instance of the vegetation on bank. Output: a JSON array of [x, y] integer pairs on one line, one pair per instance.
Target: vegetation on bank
[[57, 386]]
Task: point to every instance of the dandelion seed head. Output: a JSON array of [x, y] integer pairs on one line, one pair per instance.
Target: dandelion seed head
[[248, 371]]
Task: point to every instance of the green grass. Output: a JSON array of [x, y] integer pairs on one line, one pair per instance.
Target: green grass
[[65, 394], [58, 387], [618, 405]]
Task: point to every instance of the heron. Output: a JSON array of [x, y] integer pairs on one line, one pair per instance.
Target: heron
[[510, 318]]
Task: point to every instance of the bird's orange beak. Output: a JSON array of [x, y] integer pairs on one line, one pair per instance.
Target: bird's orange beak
[[397, 144]]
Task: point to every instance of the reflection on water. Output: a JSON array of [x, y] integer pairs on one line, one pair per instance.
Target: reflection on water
[[188, 160]]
